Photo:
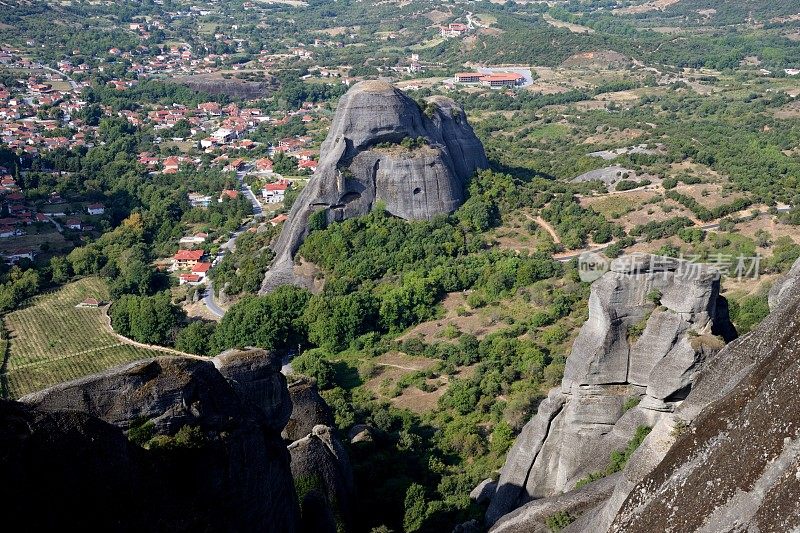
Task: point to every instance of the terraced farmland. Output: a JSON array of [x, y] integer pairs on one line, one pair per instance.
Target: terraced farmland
[[51, 340]]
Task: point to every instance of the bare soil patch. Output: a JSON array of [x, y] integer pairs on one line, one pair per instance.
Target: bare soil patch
[[654, 5], [600, 58]]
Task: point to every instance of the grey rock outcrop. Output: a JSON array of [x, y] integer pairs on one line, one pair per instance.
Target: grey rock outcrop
[[532, 517], [653, 322], [324, 480], [255, 375], [361, 163], [308, 410], [728, 458], [213, 458], [783, 286]]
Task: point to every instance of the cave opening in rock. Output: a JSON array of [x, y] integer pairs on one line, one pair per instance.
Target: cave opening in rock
[[417, 190]]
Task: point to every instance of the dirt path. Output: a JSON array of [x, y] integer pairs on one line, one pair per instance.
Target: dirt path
[[547, 227], [126, 340], [409, 368]]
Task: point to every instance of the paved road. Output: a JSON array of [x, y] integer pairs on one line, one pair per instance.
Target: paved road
[[72, 82], [248, 191], [211, 303]]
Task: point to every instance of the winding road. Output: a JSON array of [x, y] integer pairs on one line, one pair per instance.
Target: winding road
[[211, 303], [230, 245]]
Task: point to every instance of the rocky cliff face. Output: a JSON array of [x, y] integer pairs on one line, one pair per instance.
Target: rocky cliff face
[[213, 460], [320, 466], [362, 162], [728, 459], [653, 323]]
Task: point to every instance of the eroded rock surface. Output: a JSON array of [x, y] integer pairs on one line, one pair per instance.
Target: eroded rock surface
[[362, 162], [208, 455], [653, 322], [308, 410], [728, 458], [324, 481]]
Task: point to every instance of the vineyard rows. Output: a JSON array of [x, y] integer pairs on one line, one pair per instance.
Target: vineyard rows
[[53, 341]]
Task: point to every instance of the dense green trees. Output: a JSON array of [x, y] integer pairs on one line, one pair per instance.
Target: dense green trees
[[574, 223], [147, 319], [20, 285], [335, 320], [273, 321], [196, 338]]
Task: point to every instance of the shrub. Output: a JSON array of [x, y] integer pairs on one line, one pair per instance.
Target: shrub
[[630, 403], [558, 521]]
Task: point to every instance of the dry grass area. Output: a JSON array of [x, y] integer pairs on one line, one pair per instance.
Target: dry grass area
[[619, 96], [629, 209], [437, 17], [574, 28], [615, 136], [695, 169], [770, 224], [654, 5], [709, 195], [198, 311], [339, 30], [419, 401], [393, 366], [51, 340], [604, 59], [475, 322], [612, 205], [53, 239], [789, 111]]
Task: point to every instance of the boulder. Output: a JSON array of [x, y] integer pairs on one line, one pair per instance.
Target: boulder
[[323, 479], [483, 491], [362, 162], [361, 433]]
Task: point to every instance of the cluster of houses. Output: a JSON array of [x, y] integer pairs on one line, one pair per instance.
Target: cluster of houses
[[19, 214], [190, 266], [224, 130], [454, 29], [22, 127]]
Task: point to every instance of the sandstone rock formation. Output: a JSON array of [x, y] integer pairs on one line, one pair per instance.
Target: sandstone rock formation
[[362, 163], [728, 459], [652, 325], [324, 481], [308, 410], [167, 444], [320, 466]]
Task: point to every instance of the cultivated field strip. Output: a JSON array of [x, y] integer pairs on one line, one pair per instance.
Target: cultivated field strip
[[52, 341]]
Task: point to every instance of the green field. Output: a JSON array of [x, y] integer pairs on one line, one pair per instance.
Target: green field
[[51, 340]]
